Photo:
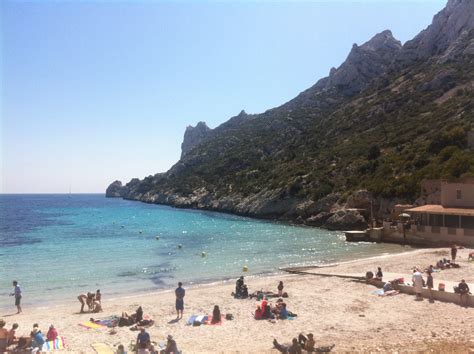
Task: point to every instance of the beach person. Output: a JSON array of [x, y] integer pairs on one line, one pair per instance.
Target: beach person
[[216, 315], [12, 339], [171, 346], [239, 285], [143, 339], [294, 348], [179, 292], [17, 293], [283, 312], [98, 296], [96, 306], [52, 333], [280, 289], [379, 274], [463, 289], [138, 316], [454, 252], [307, 343], [429, 284], [388, 286], [3, 336], [37, 339], [83, 300], [259, 313], [121, 349], [417, 284]]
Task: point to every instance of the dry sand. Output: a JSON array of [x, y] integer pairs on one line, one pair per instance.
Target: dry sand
[[337, 311]]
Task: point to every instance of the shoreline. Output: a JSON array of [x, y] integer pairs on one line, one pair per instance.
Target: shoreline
[[217, 282], [335, 310]]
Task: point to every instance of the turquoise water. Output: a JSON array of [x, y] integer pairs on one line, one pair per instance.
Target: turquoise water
[[58, 246]]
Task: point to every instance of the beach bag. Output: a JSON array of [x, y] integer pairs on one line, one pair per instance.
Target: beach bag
[[229, 317], [441, 287]]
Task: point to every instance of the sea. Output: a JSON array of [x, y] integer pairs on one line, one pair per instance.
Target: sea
[[59, 246]]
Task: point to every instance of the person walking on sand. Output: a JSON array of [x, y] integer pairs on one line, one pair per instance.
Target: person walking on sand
[[17, 293], [179, 292], [454, 252]]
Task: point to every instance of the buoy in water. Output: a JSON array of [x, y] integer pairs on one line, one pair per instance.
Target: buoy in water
[[180, 246], [157, 237], [245, 268], [140, 232], [203, 254]]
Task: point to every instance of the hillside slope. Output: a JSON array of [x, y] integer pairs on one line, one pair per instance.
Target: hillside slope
[[388, 117]]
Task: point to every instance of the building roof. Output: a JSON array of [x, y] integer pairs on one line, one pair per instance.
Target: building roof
[[439, 209]]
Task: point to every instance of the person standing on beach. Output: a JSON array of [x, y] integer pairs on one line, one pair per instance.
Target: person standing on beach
[[280, 289], [179, 292], [418, 284], [454, 252], [17, 294], [429, 284]]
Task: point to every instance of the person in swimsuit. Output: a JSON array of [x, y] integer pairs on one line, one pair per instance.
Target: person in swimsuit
[[179, 292]]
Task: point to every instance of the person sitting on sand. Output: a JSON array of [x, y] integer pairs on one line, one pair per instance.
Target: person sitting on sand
[[96, 306], [120, 349], [3, 336], [238, 286], [280, 289], [379, 274], [143, 339], [37, 339], [259, 313], [267, 314], [283, 312], [307, 343], [171, 346], [440, 264], [463, 289], [388, 286], [52, 333], [12, 339], [216, 315]]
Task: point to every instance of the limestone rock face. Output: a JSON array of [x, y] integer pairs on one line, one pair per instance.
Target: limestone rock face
[[114, 190], [455, 20], [363, 64], [345, 219], [193, 136]]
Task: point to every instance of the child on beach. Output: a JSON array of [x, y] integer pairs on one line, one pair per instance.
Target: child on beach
[[3, 336], [52, 333], [12, 339], [216, 315], [280, 289]]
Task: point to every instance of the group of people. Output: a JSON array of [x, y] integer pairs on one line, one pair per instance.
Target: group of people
[[301, 343], [9, 339], [241, 290], [143, 344], [92, 300], [265, 311]]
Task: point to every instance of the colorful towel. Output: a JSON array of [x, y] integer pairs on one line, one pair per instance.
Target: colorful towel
[[209, 321], [91, 325], [110, 321], [102, 348], [58, 343]]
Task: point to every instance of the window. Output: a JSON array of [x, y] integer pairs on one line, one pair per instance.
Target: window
[[458, 194]]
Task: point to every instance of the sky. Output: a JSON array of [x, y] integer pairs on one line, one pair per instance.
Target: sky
[[94, 91]]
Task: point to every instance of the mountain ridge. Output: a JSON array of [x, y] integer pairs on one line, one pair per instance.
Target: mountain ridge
[[386, 118]]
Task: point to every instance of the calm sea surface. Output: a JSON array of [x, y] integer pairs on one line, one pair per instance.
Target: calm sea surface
[[58, 246]]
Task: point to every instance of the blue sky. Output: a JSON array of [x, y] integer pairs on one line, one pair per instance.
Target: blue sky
[[94, 91]]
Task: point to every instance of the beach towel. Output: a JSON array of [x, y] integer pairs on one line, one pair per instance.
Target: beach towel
[[197, 318], [58, 343], [102, 348], [209, 321], [111, 321], [92, 325]]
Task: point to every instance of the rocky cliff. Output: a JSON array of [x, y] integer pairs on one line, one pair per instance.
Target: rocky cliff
[[366, 135]]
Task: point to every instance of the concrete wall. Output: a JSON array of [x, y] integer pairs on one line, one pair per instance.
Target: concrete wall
[[449, 194]]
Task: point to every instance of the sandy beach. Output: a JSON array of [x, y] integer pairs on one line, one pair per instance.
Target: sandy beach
[[337, 311]]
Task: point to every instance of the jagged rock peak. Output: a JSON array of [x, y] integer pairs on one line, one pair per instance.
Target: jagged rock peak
[[448, 25], [363, 64], [193, 136]]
